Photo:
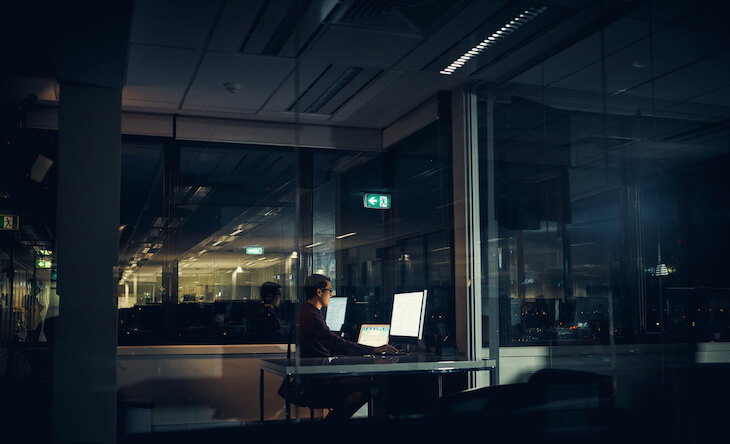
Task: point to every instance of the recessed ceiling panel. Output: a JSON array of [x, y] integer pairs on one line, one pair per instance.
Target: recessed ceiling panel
[[256, 76], [315, 90], [284, 97], [354, 46], [350, 90], [370, 91]]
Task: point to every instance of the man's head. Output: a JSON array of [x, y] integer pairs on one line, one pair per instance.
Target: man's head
[[318, 290], [271, 293]]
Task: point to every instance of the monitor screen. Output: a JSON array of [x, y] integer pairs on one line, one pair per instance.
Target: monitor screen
[[373, 335], [409, 311], [336, 313]]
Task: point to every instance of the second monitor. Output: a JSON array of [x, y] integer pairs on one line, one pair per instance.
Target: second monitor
[[408, 316], [335, 315]]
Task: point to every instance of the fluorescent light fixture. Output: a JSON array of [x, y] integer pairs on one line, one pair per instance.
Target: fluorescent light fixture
[[202, 251], [313, 245], [216, 243], [493, 39], [342, 236], [236, 232]]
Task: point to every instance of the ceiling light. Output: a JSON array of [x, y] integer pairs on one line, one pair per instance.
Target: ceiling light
[[239, 269], [202, 251], [342, 236], [313, 245], [500, 34], [236, 232], [216, 243]]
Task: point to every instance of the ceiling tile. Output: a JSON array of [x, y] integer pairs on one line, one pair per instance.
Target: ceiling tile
[[158, 74], [352, 46], [258, 76], [284, 97]]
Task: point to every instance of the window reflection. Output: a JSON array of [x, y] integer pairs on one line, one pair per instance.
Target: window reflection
[[607, 179], [230, 232]]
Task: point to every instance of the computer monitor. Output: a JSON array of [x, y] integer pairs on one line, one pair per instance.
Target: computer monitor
[[409, 313], [335, 316], [374, 335]]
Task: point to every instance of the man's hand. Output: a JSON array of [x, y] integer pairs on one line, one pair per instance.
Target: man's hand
[[387, 348]]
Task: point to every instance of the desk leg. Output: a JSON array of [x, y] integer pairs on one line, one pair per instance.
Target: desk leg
[[371, 389], [261, 396], [288, 407], [492, 377], [441, 386]]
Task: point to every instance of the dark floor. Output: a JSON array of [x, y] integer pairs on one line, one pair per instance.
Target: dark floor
[[555, 408]]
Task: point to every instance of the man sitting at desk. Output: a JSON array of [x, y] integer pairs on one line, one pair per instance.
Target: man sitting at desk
[[345, 394]]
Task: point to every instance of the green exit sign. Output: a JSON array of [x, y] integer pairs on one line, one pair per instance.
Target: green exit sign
[[377, 201], [43, 264], [9, 222], [254, 250]]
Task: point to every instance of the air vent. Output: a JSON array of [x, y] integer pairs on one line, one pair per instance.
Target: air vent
[[336, 86]]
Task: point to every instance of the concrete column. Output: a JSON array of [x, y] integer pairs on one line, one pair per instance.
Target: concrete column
[[84, 355]]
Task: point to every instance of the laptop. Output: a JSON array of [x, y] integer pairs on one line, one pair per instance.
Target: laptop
[[374, 335]]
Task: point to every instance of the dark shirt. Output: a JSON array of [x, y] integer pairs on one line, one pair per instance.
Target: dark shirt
[[317, 340]]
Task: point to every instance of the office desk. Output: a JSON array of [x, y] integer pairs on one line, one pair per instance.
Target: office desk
[[370, 366]]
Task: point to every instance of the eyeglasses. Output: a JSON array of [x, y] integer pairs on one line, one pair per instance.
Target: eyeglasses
[[331, 290]]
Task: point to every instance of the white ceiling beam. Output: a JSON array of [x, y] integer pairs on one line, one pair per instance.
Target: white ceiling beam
[[233, 131]]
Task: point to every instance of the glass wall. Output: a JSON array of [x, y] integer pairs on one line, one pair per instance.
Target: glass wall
[[609, 188], [193, 261], [196, 257], [609, 185], [371, 254]]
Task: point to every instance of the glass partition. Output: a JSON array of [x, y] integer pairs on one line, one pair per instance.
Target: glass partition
[[606, 165], [602, 168], [230, 230]]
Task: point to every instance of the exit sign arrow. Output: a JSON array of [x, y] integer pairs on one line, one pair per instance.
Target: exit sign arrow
[[376, 201]]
